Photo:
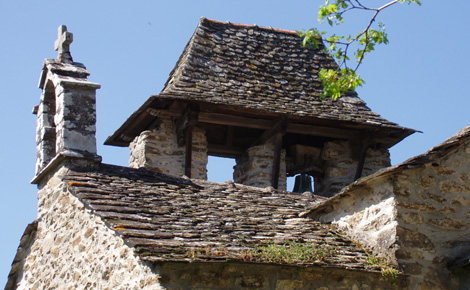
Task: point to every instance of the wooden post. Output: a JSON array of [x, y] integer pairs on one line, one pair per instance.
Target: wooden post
[[189, 152], [184, 134], [276, 161]]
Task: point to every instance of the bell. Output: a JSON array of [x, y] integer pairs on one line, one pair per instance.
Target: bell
[[303, 183]]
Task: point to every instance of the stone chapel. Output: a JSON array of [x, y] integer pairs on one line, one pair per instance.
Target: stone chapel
[[253, 94]]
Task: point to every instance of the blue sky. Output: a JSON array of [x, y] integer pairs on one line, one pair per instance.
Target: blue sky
[[419, 80]]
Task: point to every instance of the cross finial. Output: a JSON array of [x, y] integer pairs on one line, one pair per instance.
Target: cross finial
[[62, 44]]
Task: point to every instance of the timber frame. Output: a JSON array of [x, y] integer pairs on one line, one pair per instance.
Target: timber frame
[[230, 131], [245, 85]]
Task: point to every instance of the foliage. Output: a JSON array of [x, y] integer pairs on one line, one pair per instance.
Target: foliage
[[389, 273], [292, 252], [345, 78], [372, 260]]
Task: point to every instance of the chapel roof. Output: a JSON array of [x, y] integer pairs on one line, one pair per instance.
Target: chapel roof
[[258, 69], [173, 219]]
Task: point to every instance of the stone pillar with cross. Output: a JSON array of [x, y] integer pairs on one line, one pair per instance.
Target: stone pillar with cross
[[62, 45], [66, 114]]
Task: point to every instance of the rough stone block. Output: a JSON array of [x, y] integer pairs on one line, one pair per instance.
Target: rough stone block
[[158, 150]]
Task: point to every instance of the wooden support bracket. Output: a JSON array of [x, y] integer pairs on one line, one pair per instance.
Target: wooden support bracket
[[279, 128]]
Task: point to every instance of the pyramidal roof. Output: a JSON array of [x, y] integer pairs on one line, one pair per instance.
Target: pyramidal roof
[[259, 69]]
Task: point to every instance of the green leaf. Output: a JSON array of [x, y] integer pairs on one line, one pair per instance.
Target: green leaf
[[337, 83]]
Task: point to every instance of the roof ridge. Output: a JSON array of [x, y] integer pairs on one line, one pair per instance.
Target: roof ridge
[[268, 28]]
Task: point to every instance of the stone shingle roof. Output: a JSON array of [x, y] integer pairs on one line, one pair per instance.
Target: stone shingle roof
[[260, 68], [26, 241], [172, 219], [256, 71]]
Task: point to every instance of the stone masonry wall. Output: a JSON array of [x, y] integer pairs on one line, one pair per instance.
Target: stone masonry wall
[[243, 276], [419, 218], [75, 118], [158, 150], [341, 162], [255, 168], [376, 159], [74, 249], [433, 205], [45, 127], [368, 216]]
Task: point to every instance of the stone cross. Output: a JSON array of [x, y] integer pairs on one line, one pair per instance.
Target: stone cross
[[62, 44]]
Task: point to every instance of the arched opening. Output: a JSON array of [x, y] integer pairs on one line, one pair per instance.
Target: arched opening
[[48, 124]]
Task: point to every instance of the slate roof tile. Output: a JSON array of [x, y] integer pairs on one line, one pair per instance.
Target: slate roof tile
[[258, 68], [220, 56], [172, 219]]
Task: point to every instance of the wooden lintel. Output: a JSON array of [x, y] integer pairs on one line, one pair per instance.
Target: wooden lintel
[[279, 128], [317, 171], [224, 151], [276, 161], [231, 120], [265, 124], [323, 131], [186, 122]]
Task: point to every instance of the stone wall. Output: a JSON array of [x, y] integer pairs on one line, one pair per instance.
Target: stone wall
[[73, 249], [45, 127], [158, 150], [76, 118], [416, 216], [242, 276], [376, 159], [340, 163], [368, 216], [255, 168], [433, 205]]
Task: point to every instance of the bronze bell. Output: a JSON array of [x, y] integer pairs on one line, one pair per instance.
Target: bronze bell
[[303, 183]]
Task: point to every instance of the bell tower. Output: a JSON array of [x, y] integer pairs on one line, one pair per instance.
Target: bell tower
[[66, 114]]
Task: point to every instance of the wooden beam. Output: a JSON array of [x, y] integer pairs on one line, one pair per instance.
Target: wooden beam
[[224, 151], [230, 120], [311, 169], [276, 161], [265, 124], [280, 127], [187, 120], [323, 131]]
